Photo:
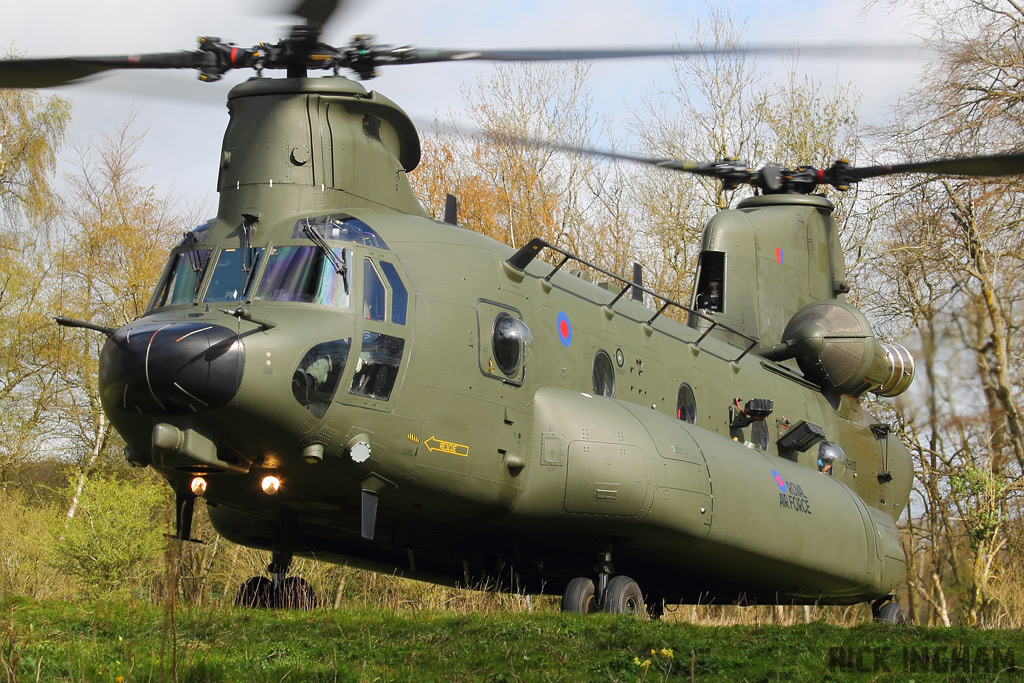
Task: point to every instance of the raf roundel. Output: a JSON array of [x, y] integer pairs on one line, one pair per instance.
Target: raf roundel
[[564, 329], [779, 480]]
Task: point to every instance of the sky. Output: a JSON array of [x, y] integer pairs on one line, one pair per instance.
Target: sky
[[184, 119]]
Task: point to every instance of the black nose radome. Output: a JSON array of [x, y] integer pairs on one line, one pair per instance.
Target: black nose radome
[[161, 368]]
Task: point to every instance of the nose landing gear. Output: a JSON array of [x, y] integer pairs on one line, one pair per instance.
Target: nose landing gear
[[279, 591]]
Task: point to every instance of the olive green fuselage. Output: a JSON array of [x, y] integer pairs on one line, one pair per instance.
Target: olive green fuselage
[[516, 477]]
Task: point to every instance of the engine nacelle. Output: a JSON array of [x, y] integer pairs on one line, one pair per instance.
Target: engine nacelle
[[835, 347]]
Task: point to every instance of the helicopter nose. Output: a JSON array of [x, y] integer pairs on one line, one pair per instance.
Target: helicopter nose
[[178, 367]]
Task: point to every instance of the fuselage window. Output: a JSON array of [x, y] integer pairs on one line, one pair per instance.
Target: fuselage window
[[306, 275], [377, 365], [183, 280], [831, 459], [232, 275], [710, 295], [375, 297], [604, 374], [399, 295], [686, 404], [509, 340], [316, 378]]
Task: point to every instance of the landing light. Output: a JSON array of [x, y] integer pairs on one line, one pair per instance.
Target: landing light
[[270, 485], [198, 486]]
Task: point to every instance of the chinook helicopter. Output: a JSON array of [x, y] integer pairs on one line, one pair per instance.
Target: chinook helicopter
[[337, 375]]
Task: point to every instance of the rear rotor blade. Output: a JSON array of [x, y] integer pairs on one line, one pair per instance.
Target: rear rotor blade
[[979, 166], [804, 179], [673, 164]]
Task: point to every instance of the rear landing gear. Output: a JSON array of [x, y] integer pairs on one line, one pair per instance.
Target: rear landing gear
[[612, 594], [579, 596], [280, 591], [888, 611], [623, 596]]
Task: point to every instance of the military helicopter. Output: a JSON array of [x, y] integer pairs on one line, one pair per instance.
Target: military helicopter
[[337, 375]]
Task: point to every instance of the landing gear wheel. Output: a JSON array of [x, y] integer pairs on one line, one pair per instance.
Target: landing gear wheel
[[623, 596], [295, 593], [255, 593], [579, 596], [891, 613]]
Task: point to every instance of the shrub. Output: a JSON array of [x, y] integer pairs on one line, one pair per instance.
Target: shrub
[[115, 543], [26, 537]]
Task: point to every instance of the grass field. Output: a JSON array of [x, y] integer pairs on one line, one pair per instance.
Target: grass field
[[49, 641]]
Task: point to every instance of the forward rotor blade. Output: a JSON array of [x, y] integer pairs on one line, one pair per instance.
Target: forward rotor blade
[[979, 166], [430, 55], [316, 12], [47, 72]]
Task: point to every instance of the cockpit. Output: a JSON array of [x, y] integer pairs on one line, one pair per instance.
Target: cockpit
[[326, 261], [303, 269]]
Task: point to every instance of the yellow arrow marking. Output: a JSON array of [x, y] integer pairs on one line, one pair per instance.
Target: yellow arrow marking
[[435, 444]]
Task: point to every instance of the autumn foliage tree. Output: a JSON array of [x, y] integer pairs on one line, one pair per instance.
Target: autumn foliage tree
[[119, 231], [31, 133], [949, 267]]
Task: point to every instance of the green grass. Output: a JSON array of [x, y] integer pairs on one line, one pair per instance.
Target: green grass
[[50, 641]]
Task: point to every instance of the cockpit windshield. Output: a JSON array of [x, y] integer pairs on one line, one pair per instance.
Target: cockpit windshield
[[232, 276], [306, 275]]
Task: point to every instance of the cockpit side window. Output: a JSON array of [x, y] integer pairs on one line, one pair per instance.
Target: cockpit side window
[[305, 275], [183, 279], [377, 366], [399, 295], [375, 296], [181, 283]]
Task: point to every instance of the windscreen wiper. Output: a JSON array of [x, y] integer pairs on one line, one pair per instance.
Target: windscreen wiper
[[194, 259], [336, 261]]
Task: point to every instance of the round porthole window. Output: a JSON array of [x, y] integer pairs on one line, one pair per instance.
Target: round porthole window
[[686, 404], [508, 343], [604, 374], [831, 459]]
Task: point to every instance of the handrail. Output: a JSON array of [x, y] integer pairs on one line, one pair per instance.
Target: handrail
[[534, 247]]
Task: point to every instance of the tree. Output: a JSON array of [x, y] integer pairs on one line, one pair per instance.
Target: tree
[[952, 263], [119, 232], [511, 182], [722, 105], [31, 133]]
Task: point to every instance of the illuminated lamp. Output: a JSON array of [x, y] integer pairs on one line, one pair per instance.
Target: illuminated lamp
[[198, 486], [270, 485]]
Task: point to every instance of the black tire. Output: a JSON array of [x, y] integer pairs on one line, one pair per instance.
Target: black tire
[[255, 593], [891, 613], [295, 593], [623, 596], [579, 596]]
